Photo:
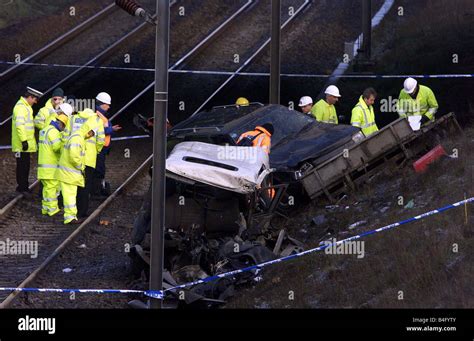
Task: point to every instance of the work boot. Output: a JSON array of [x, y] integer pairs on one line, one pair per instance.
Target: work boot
[[76, 221], [54, 212]]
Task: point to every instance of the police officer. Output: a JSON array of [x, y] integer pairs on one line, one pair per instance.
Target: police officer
[[23, 137]]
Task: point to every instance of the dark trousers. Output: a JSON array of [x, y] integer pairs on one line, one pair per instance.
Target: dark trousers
[[100, 164], [83, 193], [22, 171]]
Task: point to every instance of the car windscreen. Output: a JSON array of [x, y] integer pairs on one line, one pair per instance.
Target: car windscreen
[[285, 122], [214, 119]]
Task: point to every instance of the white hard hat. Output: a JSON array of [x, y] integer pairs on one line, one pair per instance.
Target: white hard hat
[[409, 85], [305, 100], [66, 109], [104, 98], [333, 91]]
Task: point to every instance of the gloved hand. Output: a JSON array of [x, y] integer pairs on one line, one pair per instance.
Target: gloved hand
[[24, 146], [424, 119]]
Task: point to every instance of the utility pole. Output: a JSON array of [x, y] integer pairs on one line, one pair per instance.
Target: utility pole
[[367, 29], [275, 53], [363, 62], [159, 136], [159, 149]]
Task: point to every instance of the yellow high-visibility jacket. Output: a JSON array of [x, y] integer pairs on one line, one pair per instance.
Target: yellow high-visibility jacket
[[23, 128], [94, 144], [71, 164], [45, 115], [424, 104], [49, 151], [363, 117], [324, 112]]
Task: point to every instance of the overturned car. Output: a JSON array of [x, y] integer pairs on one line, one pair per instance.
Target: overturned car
[[221, 197]]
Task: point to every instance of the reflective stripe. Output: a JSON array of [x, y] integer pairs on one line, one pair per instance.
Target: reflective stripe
[[70, 206], [30, 128], [356, 124], [54, 141], [47, 166], [368, 125], [90, 141], [50, 199], [70, 170], [365, 114], [72, 217], [49, 209], [68, 146]]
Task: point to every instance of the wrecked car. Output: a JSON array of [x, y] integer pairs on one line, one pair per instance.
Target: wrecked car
[[218, 206]]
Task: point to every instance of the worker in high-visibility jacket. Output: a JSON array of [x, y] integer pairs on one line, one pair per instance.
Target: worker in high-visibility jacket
[[49, 151], [94, 146], [416, 99], [324, 110], [70, 171], [23, 137], [103, 103], [363, 116], [48, 113], [259, 137]]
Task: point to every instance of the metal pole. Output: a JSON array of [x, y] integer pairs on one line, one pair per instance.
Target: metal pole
[[367, 28], [159, 149], [275, 53]]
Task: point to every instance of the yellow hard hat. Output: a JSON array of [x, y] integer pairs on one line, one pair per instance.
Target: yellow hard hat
[[63, 118], [242, 101]]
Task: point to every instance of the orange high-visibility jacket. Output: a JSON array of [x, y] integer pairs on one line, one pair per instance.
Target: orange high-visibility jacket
[[262, 140]]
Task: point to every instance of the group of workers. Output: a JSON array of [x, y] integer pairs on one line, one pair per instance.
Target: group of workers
[[72, 147], [414, 100]]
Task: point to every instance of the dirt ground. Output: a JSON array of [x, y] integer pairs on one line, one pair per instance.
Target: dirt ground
[[424, 264]]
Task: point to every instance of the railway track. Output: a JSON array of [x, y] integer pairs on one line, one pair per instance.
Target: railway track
[[17, 223], [196, 87], [99, 36], [7, 195], [88, 85], [24, 223]]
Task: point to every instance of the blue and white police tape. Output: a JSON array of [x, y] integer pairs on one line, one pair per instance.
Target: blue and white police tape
[[130, 137], [160, 294], [320, 248], [98, 291], [251, 74]]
